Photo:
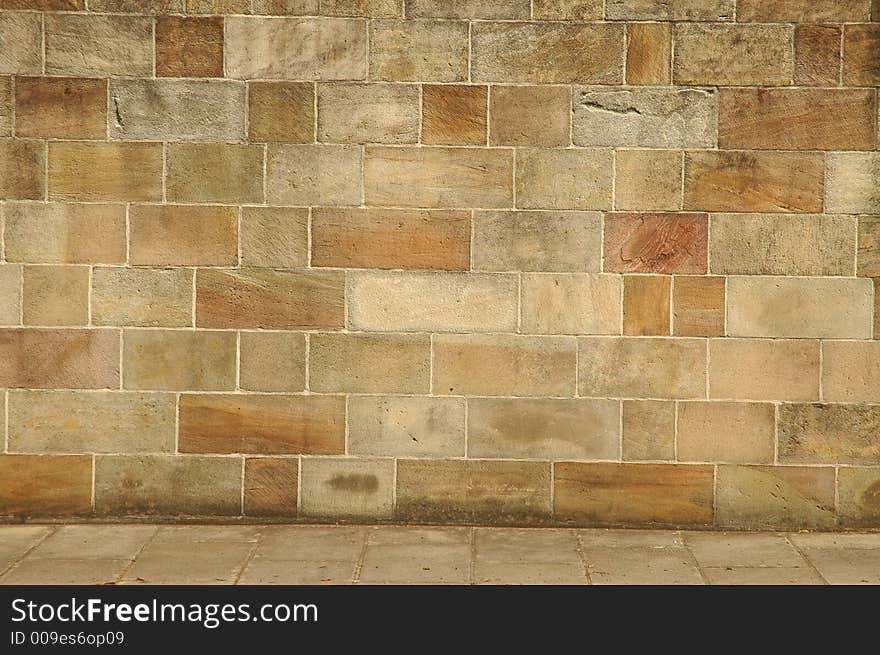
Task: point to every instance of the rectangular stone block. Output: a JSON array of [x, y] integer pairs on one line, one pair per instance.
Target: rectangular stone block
[[753, 181], [347, 488], [646, 305], [387, 426], [438, 177], [39, 485], [262, 424], [567, 9], [817, 53], [62, 107], [214, 172], [263, 298], [59, 359], [632, 367], [327, 49], [285, 7], [775, 497], [55, 295], [86, 422], [105, 171], [609, 493], [179, 360], [570, 304], [22, 170], [698, 303], [281, 111], [530, 115], [146, 297], [787, 245], [803, 11], [648, 118], [558, 53], [311, 174], [368, 113], [852, 183], [10, 295], [271, 486], [272, 361], [21, 34], [850, 371], [537, 241], [797, 119], [543, 428], [672, 10], [648, 430], [274, 237], [7, 102], [867, 257], [149, 7], [649, 53], [858, 503], [189, 47], [775, 369], [819, 308], [860, 64], [726, 432], [564, 179], [183, 235], [479, 9], [156, 485], [454, 114], [829, 434], [648, 180], [179, 110], [56, 233], [370, 8], [391, 238], [419, 51], [733, 55], [369, 363], [98, 45], [656, 243], [504, 365], [466, 491], [432, 302]]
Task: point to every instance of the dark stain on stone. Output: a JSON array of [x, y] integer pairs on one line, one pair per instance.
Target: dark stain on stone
[[355, 482], [871, 497]]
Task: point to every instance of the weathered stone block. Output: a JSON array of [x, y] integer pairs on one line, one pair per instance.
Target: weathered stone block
[[570, 304]]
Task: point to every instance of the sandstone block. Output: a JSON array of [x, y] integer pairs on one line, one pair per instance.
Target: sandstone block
[[271, 486], [272, 361], [347, 488], [698, 303], [310, 175], [22, 170], [368, 113], [850, 371], [214, 172], [829, 434], [105, 171], [37, 485], [189, 47], [563, 179], [454, 114], [183, 235], [21, 34], [98, 45], [860, 66], [656, 243], [648, 180], [817, 55], [649, 53], [147, 297], [55, 295], [274, 237], [419, 51], [530, 115], [571, 303], [853, 183], [752, 369], [648, 430], [281, 111], [726, 432], [179, 360], [646, 305], [61, 107]]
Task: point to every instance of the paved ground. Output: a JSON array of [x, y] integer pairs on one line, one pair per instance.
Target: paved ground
[[138, 554]]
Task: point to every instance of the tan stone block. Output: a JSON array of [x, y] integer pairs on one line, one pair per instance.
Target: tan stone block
[[852, 183], [179, 360], [44, 5], [698, 306], [236, 6], [850, 371], [674, 10], [877, 308], [537, 241], [545, 53], [775, 497], [817, 54], [369, 363], [189, 47], [287, 7], [860, 64], [646, 305], [87, 422], [135, 6], [188, 110], [262, 298], [419, 51], [799, 307], [829, 434], [22, 170], [875, 11], [734, 55], [369, 8], [281, 111], [479, 9], [642, 367], [648, 430], [433, 302], [368, 113], [656, 243], [55, 295], [79, 44], [311, 174], [454, 114], [261, 424], [753, 181], [37, 485], [726, 432], [803, 11], [649, 53], [10, 295], [59, 359], [438, 177], [391, 238], [763, 244], [554, 429], [148, 297], [61, 107], [6, 104], [571, 304], [57, 233], [274, 237], [347, 488], [271, 486], [406, 427], [182, 235], [608, 493], [467, 491], [530, 115], [156, 485], [648, 180], [327, 49], [567, 9], [564, 179], [21, 35], [214, 172], [504, 365], [868, 256], [105, 171], [272, 361], [859, 491], [776, 369], [651, 118]]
